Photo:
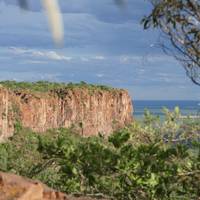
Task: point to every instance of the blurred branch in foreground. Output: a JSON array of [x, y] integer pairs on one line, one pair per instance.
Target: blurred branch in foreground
[[55, 20], [54, 17], [120, 2], [23, 4]]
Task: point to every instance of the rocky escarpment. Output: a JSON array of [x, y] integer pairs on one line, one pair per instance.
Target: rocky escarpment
[[88, 111]]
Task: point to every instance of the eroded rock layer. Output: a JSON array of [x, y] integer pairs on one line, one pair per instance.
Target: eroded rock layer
[[88, 112]]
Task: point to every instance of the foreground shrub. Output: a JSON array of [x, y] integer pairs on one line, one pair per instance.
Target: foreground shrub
[[151, 159]]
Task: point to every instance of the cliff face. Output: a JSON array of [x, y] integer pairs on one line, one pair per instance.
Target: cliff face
[[88, 112]]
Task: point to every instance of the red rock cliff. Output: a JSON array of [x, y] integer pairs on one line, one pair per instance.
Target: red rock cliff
[[89, 112]]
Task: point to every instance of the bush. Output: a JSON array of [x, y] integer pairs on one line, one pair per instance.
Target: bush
[[152, 159], [45, 86]]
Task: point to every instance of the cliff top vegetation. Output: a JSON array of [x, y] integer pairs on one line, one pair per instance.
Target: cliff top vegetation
[[46, 86]]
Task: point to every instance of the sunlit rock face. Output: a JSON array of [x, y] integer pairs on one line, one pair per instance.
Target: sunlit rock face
[[15, 187], [87, 112]]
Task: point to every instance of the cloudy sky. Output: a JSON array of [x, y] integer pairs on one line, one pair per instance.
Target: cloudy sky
[[104, 44]]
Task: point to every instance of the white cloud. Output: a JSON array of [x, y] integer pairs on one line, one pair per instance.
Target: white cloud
[[127, 59], [99, 58], [124, 59], [152, 45], [182, 87], [146, 60], [163, 74], [84, 59], [160, 58], [52, 55], [100, 75], [33, 62], [141, 71], [17, 50]]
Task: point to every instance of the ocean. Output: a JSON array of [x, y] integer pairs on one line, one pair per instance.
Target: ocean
[[155, 107]]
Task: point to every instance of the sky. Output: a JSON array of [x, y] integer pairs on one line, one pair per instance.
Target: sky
[[103, 44]]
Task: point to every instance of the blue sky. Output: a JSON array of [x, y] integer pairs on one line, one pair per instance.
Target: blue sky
[[104, 44]]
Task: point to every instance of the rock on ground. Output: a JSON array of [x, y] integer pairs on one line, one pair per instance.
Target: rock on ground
[[13, 187]]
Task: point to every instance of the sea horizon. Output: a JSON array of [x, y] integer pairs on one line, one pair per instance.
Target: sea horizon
[[187, 107]]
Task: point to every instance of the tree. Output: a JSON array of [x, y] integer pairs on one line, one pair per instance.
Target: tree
[[179, 22]]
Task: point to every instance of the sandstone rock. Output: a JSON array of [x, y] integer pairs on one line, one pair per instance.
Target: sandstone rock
[[14, 187], [90, 113]]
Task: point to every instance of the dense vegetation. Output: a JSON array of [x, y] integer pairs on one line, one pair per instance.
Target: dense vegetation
[[150, 159], [45, 86]]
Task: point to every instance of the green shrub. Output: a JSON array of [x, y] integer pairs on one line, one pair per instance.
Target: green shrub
[[152, 159], [45, 86]]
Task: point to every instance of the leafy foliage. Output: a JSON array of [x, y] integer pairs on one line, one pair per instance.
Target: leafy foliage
[[152, 159], [179, 20]]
